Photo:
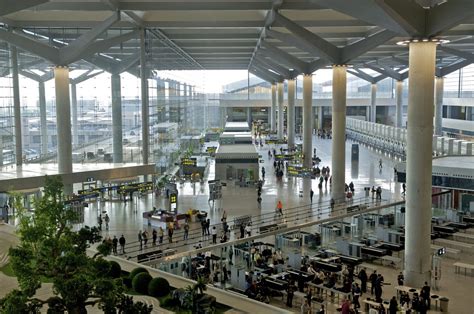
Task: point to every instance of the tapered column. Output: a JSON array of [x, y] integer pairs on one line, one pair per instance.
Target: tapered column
[[439, 88], [373, 102], [339, 79], [43, 121], [63, 119], [273, 109], [16, 105], [419, 163], [291, 114], [320, 117], [117, 118], [75, 135], [399, 104], [307, 120], [144, 95], [281, 117]]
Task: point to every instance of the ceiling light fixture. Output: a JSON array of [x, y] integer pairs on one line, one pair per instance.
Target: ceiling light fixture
[[416, 40]]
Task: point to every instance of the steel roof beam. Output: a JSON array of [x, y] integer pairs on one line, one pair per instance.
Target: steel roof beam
[[458, 53], [73, 51], [284, 57], [38, 48], [362, 46], [265, 63], [447, 15], [291, 40], [9, 6], [318, 44], [261, 75], [103, 45], [452, 67]]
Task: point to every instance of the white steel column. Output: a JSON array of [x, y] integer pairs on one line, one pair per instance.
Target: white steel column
[[63, 119], [307, 120], [16, 106], [281, 116], [338, 170], [43, 121], [399, 104], [439, 88], [291, 114], [144, 96], [117, 118], [419, 163], [186, 124], [373, 102], [273, 109], [75, 135]]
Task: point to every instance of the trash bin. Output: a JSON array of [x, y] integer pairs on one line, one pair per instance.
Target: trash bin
[[367, 191], [443, 304]]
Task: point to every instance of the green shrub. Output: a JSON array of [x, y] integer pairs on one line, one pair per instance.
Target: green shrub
[[140, 282], [158, 287], [136, 271], [169, 303], [115, 269]]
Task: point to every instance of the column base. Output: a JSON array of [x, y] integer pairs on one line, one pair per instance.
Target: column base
[[415, 279]]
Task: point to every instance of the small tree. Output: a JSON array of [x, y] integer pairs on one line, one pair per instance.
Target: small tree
[[50, 248]]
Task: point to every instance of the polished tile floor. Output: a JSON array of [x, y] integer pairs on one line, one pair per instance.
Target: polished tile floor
[[126, 217]]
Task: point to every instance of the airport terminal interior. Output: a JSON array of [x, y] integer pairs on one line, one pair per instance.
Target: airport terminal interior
[[257, 156]]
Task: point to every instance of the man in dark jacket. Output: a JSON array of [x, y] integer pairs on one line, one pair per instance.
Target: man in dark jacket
[[122, 243]]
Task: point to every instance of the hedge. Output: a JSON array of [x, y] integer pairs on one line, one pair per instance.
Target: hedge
[[136, 271], [140, 282], [158, 287], [115, 269]]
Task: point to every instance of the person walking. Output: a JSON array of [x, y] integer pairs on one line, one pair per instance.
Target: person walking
[[400, 279], [170, 232], [107, 220], [154, 235], [140, 239], [280, 208], [425, 294], [186, 230], [203, 227], [311, 194], [161, 234], [114, 245], [248, 230], [363, 280], [208, 225], [214, 235], [290, 293], [145, 237], [393, 307], [356, 292], [373, 279], [122, 244], [99, 221]]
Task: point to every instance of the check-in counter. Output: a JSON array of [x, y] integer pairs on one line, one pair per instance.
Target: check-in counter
[[331, 267], [373, 251]]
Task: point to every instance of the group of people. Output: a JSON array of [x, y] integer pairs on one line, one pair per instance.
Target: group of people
[[323, 134], [101, 220]]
